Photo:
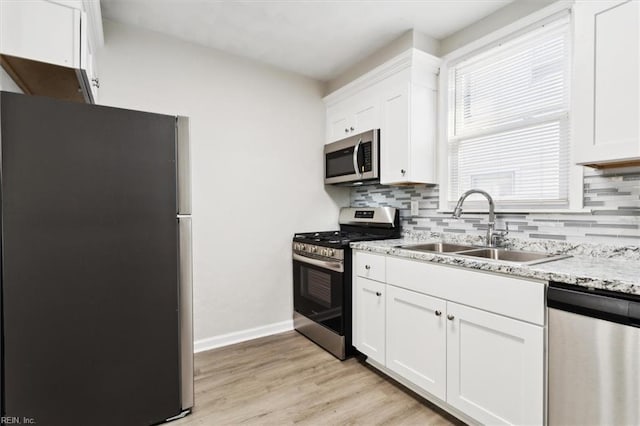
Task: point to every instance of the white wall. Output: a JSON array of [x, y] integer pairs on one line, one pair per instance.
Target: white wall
[[256, 138]]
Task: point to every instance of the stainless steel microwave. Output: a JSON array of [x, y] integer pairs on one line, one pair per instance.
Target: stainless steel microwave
[[353, 160]]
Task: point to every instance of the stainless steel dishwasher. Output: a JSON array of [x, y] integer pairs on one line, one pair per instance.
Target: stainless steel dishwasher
[[594, 356]]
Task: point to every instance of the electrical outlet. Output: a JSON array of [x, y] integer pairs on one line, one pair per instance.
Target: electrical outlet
[[415, 208]]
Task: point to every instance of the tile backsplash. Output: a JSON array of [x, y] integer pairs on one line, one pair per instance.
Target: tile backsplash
[[611, 216]]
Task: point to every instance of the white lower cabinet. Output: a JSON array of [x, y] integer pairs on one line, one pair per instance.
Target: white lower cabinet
[[495, 367], [487, 366], [370, 318], [416, 339]]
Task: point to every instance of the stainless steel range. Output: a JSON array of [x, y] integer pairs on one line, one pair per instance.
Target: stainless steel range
[[322, 275]]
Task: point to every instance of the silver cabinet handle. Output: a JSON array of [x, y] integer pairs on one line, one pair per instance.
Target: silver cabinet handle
[[367, 267], [403, 171], [346, 130], [351, 128], [450, 317], [95, 82], [355, 158], [378, 293], [438, 313]]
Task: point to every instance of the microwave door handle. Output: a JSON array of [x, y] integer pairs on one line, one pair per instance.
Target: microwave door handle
[[355, 158]]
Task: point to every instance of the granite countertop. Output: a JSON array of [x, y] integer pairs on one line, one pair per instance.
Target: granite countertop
[[607, 273]]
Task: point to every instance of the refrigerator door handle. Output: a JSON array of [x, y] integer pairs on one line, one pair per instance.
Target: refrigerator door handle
[[183, 164], [185, 283]]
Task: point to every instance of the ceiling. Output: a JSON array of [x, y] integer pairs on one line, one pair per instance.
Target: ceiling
[[316, 38]]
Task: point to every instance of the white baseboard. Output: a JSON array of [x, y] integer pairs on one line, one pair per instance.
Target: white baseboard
[[241, 336]]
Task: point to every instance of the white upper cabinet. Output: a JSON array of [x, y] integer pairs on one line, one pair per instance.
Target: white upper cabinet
[[48, 47], [394, 150], [399, 98], [352, 116], [408, 130], [606, 84], [41, 31]]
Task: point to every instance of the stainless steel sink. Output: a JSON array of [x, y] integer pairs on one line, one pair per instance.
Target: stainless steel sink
[[498, 254], [437, 247], [515, 256]]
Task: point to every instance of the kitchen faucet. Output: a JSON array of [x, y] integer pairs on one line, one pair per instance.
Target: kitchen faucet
[[492, 235]]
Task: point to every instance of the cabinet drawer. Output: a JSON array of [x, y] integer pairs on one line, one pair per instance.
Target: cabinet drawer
[[514, 297], [370, 266]]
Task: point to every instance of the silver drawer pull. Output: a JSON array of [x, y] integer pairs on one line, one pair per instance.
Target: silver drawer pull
[[378, 293], [438, 313], [450, 317], [367, 267]]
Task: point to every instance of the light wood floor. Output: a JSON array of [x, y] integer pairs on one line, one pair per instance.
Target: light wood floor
[[286, 379]]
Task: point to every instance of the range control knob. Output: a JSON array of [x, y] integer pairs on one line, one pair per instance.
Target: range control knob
[[313, 249], [332, 252]]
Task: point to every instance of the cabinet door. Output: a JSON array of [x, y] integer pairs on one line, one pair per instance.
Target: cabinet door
[[416, 339], [607, 81], [92, 75], [495, 370], [370, 318], [41, 31], [365, 116], [337, 126], [394, 136]]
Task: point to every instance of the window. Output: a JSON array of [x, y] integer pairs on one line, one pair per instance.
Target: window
[[508, 120]]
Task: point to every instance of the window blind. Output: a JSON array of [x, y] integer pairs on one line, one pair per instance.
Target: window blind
[[509, 120]]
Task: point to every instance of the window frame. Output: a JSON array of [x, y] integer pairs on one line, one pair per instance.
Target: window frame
[[522, 26]]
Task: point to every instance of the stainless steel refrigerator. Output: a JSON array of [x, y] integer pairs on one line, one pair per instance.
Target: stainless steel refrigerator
[[96, 264]]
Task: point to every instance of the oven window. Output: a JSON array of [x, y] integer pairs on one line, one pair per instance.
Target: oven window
[[340, 163], [318, 295], [317, 287]]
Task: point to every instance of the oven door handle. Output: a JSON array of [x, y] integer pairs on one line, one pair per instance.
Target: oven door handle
[[356, 166], [334, 266]]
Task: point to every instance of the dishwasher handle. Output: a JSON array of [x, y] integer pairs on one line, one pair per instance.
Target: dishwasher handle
[[620, 308]]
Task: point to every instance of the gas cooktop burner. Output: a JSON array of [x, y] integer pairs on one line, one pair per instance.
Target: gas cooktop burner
[[335, 238], [356, 224]]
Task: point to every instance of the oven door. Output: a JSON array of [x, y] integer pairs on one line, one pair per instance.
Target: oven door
[[318, 288]]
